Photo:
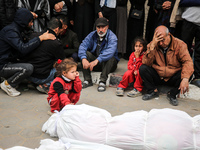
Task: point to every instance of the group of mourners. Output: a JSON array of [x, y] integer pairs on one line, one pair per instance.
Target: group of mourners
[[48, 61]]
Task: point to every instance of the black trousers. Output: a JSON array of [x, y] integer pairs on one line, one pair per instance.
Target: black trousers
[[151, 80], [106, 68], [189, 32], [16, 73]]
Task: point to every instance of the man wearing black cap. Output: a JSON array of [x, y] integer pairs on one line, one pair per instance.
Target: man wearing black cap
[[98, 52], [12, 48]]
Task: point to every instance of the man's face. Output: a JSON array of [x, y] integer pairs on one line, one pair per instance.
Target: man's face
[[30, 24], [64, 27], [102, 30]]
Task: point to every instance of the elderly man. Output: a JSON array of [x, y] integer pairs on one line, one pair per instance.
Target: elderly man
[[166, 61], [98, 52], [12, 47]]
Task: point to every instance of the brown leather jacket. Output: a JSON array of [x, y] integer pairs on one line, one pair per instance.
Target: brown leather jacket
[[177, 58]]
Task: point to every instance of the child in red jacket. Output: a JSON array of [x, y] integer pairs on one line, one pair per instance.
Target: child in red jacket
[[132, 75], [66, 87]]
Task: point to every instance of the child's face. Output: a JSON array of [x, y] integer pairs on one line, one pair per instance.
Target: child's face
[[71, 74], [138, 47]]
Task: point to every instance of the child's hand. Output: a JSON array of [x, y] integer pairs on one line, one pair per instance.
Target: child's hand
[[137, 54], [71, 104], [77, 73], [135, 73]]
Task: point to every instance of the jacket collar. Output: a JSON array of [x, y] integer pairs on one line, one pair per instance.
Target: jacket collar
[[52, 32]]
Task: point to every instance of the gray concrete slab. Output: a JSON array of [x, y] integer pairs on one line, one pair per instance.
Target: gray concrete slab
[[22, 117]]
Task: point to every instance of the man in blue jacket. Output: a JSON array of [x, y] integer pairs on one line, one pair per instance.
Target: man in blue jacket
[[98, 52], [12, 48]]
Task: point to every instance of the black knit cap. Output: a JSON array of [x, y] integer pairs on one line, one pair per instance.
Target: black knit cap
[[101, 22]]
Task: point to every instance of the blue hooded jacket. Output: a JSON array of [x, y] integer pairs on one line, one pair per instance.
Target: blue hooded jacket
[[11, 42], [108, 47]]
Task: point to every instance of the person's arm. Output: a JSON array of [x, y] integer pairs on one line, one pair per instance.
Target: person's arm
[[77, 85], [13, 38], [86, 44], [58, 87], [98, 9], [130, 62]]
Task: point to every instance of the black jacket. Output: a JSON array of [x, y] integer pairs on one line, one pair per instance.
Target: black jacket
[[11, 42], [70, 42], [44, 56]]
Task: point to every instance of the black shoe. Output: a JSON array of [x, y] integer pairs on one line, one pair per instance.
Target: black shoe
[[172, 100], [150, 96], [86, 84], [196, 82]]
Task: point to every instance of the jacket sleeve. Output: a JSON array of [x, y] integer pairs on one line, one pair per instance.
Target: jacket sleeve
[[13, 38], [87, 44], [58, 87], [149, 55], [186, 60], [77, 85], [75, 45], [110, 50], [97, 7], [130, 62]]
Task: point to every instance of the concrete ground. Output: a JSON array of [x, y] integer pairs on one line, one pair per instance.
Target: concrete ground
[[22, 117]]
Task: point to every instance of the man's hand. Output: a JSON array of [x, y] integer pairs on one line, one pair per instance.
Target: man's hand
[[58, 6], [85, 63], [47, 36], [34, 15], [184, 86], [93, 63], [166, 5], [100, 15], [157, 37]]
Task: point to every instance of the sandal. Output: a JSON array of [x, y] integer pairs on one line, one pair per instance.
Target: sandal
[[43, 88], [101, 87]]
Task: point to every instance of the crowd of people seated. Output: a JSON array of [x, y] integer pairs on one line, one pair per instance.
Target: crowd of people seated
[[35, 34]]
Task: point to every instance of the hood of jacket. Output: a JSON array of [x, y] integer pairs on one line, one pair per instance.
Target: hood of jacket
[[22, 17]]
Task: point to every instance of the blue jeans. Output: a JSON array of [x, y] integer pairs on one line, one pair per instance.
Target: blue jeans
[[48, 80]]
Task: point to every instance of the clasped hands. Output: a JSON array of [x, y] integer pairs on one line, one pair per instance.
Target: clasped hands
[[89, 65]]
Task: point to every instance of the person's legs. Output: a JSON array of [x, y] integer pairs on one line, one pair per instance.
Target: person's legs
[[87, 72], [127, 78], [108, 67], [14, 74], [44, 84], [188, 36], [150, 79], [47, 80]]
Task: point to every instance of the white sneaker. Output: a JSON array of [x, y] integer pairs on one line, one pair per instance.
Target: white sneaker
[[9, 89], [134, 93]]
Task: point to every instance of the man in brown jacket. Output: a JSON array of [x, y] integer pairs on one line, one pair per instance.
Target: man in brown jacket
[[166, 61]]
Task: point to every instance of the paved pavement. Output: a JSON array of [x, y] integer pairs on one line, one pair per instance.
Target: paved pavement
[[22, 117]]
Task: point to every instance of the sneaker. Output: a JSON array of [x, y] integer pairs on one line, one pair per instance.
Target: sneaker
[[134, 93], [119, 91], [86, 84], [9, 89]]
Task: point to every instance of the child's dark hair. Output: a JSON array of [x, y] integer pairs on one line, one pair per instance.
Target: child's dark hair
[[142, 41], [64, 65]]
